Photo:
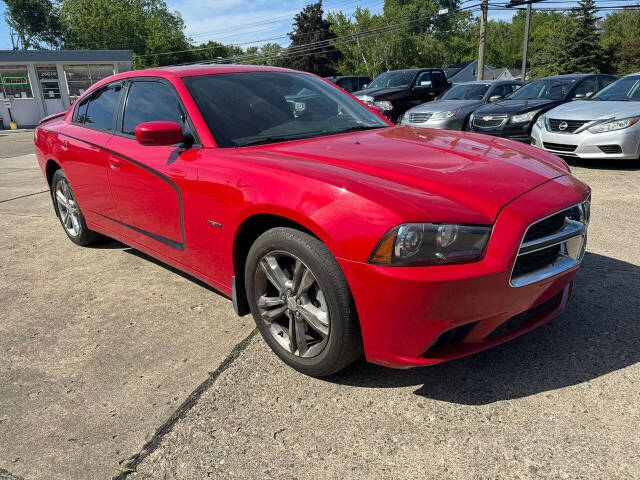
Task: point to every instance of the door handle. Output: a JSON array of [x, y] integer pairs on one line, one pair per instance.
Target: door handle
[[114, 163], [64, 145]]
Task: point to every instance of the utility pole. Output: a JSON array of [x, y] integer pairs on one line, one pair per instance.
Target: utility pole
[[483, 39], [527, 23], [525, 46]]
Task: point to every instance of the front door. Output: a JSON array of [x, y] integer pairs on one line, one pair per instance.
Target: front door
[[148, 181], [50, 86]]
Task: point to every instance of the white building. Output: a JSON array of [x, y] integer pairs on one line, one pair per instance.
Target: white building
[[37, 83]]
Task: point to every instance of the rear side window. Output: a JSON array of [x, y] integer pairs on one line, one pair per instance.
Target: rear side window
[[102, 104], [150, 102]]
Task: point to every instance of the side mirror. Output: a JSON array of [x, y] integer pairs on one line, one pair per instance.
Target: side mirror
[[495, 98], [579, 96], [159, 133], [425, 83], [365, 86]]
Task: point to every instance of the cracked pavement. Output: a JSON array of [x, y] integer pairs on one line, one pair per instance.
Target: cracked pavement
[[106, 355]]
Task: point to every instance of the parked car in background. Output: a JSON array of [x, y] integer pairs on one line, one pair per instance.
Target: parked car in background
[[339, 232], [606, 125], [514, 117], [452, 110], [350, 84], [396, 91]]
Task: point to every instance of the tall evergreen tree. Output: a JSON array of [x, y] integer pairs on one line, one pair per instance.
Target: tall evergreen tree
[[310, 27], [584, 41]]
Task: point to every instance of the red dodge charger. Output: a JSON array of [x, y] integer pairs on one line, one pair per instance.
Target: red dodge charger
[[339, 232]]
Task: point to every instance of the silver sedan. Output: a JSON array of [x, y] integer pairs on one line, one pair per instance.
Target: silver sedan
[[453, 109]]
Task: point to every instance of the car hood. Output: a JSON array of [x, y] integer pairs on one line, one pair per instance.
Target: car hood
[[511, 107], [444, 105], [378, 92], [594, 110], [423, 174]]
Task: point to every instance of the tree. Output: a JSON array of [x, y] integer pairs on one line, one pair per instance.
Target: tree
[[621, 41], [146, 27], [584, 42], [34, 22], [310, 27], [555, 55]]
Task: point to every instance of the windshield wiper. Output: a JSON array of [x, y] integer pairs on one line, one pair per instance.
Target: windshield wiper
[[261, 140], [357, 128]]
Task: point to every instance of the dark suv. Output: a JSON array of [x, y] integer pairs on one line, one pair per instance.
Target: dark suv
[[396, 91], [350, 84]]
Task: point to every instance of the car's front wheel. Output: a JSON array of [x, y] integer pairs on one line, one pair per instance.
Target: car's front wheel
[[301, 302], [69, 211]]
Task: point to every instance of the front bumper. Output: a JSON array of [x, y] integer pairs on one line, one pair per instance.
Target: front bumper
[[512, 131], [589, 145], [404, 311]]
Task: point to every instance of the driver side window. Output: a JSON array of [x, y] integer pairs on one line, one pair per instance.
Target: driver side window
[[150, 101], [588, 85]]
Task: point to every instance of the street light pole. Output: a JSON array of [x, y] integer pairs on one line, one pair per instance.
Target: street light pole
[[525, 46], [483, 39]]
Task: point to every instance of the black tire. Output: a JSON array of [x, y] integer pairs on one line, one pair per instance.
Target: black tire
[[466, 125], [343, 344], [84, 236]]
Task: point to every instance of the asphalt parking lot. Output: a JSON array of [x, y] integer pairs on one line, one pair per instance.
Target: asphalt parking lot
[[112, 364]]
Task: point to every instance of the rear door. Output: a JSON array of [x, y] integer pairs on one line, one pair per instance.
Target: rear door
[[84, 158], [148, 181]]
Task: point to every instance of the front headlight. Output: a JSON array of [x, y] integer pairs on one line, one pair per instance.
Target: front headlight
[[431, 244], [612, 125], [383, 105], [524, 117], [443, 115], [540, 122]]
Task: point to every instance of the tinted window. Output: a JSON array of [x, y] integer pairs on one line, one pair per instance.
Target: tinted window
[[267, 107], [350, 84], [150, 102], [588, 85], [81, 111], [605, 80], [468, 91], [439, 79], [512, 87], [624, 90], [399, 78], [102, 104], [549, 89], [501, 91]]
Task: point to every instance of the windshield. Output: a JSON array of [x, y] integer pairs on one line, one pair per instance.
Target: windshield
[[626, 89], [266, 107], [473, 91], [544, 90], [392, 79]]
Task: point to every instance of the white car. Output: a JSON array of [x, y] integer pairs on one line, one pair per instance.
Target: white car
[[607, 125]]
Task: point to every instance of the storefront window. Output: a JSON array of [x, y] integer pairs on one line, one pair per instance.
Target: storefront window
[[81, 77], [15, 81], [48, 77]]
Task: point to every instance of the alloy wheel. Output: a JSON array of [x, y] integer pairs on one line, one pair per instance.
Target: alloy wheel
[[291, 304], [68, 208]]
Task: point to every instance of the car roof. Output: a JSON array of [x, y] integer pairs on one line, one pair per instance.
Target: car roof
[[413, 70], [567, 76], [492, 82]]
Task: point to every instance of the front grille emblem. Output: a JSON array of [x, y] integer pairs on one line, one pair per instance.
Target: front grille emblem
[[563, 126], [486, 118]]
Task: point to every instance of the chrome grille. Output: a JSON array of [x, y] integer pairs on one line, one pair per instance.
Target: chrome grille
[[489, 120], [419, 117], [567, 126], [552, 245]]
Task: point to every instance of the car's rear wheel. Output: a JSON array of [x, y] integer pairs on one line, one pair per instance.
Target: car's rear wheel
[[69, 212], [301, 302]]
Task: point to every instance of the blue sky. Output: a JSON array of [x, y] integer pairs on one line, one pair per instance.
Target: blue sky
[[245, 22]]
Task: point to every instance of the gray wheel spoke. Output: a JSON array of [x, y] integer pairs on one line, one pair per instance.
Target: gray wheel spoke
[[61, 198], [306, 280], [301, 339], [274, 273], [268, 302], [271, 315], [315, 317], [298, 270], [67, 220]]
